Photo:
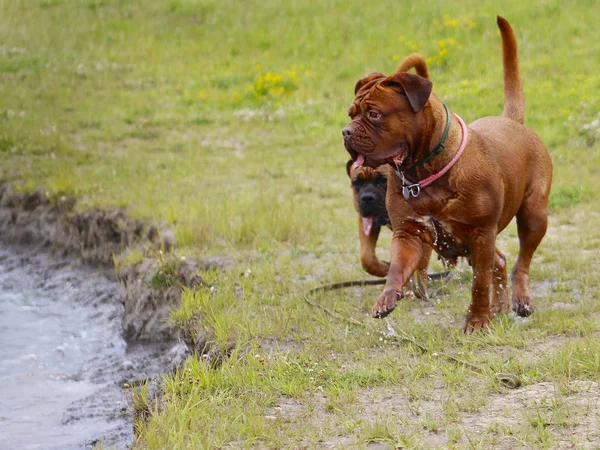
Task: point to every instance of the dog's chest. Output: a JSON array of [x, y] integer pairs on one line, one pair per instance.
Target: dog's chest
[[448, 239], [431, 201]]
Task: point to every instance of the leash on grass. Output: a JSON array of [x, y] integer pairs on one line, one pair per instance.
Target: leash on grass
[[509, 380], [444, 276]]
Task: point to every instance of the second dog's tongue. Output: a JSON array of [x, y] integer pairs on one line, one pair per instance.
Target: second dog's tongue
[[368, 224]]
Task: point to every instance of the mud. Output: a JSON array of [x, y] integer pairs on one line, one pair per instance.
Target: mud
[[147, 306], [94, 235]]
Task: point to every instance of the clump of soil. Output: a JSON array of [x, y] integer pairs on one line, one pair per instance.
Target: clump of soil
[[152, 288]]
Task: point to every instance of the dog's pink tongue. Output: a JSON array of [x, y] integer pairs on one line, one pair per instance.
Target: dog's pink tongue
[[360, 160], [368, 224]]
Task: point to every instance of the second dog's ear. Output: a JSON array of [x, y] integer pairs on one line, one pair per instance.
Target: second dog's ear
[[363, 81], [417, 89], [349, 166]]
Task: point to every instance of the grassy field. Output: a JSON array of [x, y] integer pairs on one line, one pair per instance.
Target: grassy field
[[223, 119]]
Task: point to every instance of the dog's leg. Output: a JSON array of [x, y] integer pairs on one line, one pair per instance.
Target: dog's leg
[[482, 252], [532, 221], [368, 257], [405, 253], [500, 293], [418, 282], [422, 269]]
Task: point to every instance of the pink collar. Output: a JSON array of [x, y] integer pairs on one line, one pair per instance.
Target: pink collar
[[415, 188]]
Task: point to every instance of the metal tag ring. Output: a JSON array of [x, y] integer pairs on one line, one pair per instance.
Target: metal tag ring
[[415, 189]]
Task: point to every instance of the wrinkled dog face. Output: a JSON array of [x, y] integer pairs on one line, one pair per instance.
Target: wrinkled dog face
[[370, 187], [386, 117]]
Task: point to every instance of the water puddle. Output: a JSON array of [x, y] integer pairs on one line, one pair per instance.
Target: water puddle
[[63, 358]]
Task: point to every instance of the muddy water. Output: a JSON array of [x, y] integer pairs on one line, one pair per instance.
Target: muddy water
[[62, 355]]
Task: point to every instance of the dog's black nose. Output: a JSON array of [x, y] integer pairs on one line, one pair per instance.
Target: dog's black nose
[[347, 131], [367, 197]]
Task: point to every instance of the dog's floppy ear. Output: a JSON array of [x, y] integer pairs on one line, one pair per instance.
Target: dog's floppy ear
[[363, 81], [417, 89], [349, 166]]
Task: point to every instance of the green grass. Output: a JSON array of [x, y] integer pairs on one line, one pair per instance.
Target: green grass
[[223, 119]]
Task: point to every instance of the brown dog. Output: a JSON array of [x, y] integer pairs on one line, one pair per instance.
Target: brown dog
[[369, 188], [466, 183]]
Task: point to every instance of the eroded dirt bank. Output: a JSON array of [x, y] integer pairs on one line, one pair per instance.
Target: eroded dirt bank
[[96, 237]]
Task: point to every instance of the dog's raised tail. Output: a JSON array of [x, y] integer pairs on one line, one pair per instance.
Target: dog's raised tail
[[418, 62], [514, 100]]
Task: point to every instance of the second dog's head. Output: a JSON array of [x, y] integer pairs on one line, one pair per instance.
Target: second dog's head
[[369, 187]]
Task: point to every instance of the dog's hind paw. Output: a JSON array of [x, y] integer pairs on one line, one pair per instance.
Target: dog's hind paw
[[522, 307], [497, 309]]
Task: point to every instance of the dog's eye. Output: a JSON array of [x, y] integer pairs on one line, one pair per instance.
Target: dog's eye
[[381, 181], [374, 114], [357, 183]]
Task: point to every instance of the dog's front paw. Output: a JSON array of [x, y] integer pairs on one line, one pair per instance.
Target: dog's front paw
[[386, 304], [476, 322]]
